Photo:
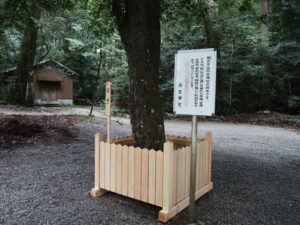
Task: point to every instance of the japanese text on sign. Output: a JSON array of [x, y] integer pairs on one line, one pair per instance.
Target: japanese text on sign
[[195, 81]]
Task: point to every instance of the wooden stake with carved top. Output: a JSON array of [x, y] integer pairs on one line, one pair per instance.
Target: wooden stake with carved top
[[108, 108]]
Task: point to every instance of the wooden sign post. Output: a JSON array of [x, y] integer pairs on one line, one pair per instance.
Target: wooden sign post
[[108, 108], [194, 94]]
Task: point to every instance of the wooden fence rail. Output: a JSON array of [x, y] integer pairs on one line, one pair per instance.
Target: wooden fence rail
[[156, 177]]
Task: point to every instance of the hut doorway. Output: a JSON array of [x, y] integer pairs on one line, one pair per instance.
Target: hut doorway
[[48, 91]]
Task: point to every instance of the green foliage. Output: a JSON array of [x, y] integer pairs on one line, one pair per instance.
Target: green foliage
[[246, 85], [72, 31]]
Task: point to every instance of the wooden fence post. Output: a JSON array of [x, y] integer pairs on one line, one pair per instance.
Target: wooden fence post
[[96, 191], [167, 182], [208, 136]]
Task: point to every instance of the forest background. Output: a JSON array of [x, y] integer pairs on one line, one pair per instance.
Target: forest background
[[258, 44]]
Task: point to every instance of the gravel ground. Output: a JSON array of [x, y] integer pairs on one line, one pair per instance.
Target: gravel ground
[[255, 173]]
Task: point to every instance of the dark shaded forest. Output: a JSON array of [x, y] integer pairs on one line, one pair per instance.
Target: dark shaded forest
[[258, 45]]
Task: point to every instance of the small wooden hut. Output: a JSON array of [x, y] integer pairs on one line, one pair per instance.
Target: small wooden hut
[[52, 83]]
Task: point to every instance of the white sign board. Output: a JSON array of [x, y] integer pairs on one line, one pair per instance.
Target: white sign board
[[195, 82]]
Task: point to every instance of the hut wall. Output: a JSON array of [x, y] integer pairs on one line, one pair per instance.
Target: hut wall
[[64, 86]]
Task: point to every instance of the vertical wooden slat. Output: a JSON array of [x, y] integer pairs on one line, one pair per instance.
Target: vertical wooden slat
[[102, 165], [183, 173], [98, 138], [145, 175], [137, 173], [168, 176], [209, 136], [188, 169], [113, 158], [151, 182], [203, 163], [175, 177], [125, 170], [159, 178], [107, 165], [131, 172], [179, 174], [200, 169], [206, 162], [198, 165], [201, 160], [119, 170]]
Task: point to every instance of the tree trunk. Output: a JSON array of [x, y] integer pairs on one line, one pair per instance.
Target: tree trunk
[[208, 9], [26, 57], [95, 89], [264, 21], [139, 27], [263, 13]]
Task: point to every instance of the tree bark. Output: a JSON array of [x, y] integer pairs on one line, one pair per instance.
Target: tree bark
[[95, 89], [264, 4], [208, 9], [139, 27], [26, 57], [263, 13]]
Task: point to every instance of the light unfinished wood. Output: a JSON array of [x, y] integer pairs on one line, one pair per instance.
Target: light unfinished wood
[[175, 177], [125, 170], [209, 137], [183, 173], [98, 138], [198, 165], [109, 129], [102, 165], [188, 169], [168, 175], [159, 178], [107, 165], [119, 170], [145, 174], [113, 167], [164, 216], [152, 180], [131, 172], [108, 98], [205, 163], [96, 191], [179, 174], [201, 166], [138, 173]]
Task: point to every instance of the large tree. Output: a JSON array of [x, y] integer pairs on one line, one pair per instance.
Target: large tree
[[24, 15], [28, 48], [138, 23]]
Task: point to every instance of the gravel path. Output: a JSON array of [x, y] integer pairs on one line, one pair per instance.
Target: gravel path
[[255, 173]]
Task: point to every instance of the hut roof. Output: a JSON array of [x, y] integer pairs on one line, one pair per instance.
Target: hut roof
[[48, 63]]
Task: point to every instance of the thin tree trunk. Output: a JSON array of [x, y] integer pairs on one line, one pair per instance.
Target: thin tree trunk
[[139, 28], [231, 70], [95, 85], [208, 9], [263, 13], [264, 4], [26, 57]]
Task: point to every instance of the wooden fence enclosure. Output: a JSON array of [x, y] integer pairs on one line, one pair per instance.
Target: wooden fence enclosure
[[160, 178]]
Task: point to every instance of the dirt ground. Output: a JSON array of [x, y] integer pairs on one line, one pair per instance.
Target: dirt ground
[[46, 178]]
